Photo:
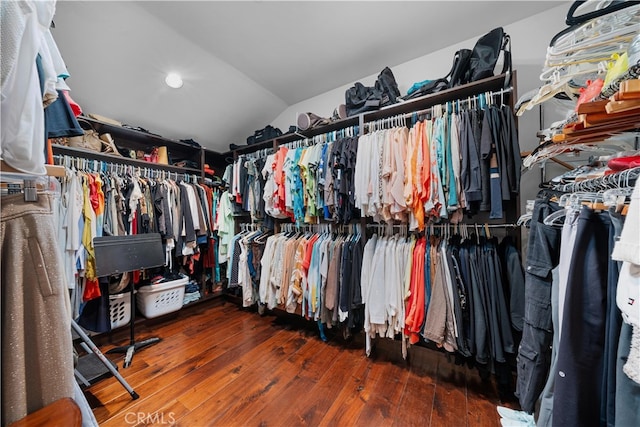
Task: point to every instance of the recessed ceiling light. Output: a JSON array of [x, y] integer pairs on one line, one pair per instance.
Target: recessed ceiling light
[[173, 80]]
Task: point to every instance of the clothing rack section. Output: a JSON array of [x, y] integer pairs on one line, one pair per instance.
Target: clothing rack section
[[346, 132], [463, 293], [464, 229], [304, 181], [108, 199], [580, 310], [309, 270], [457, 162]]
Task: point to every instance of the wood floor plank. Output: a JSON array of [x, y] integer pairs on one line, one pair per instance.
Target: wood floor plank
[[311, 364], [416, 406], [225, 366], [311, 407], [450, 402], [250, 404], [178, 343], [386, 396], [172, 351], [186, 376], [349, 393], [481, 402], [257, 377]]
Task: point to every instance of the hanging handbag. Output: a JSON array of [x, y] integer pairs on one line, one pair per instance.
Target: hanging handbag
[[109, 145], [89, 141]]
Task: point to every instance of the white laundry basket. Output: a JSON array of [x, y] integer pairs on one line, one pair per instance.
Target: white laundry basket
[[163, 298], [120, 309]]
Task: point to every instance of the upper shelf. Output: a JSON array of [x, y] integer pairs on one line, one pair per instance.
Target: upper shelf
[[460, 92], [136, 138], [109, 158], [489, 84]]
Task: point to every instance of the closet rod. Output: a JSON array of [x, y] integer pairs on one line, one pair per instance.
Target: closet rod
[[506, 225], [626, 178], [476, 97], [101, 165], [322, 137]]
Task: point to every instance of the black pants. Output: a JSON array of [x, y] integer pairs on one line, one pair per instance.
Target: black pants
[[534, 352], [578, 389]]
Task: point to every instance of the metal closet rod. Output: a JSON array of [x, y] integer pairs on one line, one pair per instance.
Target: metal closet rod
[[448, 225], [84, 164], [399, 117], [322, 137]]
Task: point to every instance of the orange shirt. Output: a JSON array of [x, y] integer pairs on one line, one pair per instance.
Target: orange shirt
[[415, 305]]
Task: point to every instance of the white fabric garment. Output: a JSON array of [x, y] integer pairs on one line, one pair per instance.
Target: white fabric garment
[[361, 173], [627, 248], [270, 251], [22, 135], [225, 226], [365, 286]]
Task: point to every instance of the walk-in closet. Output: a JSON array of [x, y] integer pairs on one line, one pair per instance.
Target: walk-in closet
[[393, 213]]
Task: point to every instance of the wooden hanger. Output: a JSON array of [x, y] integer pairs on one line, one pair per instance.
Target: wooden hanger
[[52, 170]]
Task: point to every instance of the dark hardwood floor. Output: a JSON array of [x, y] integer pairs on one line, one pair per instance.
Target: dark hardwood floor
[[219, 365]]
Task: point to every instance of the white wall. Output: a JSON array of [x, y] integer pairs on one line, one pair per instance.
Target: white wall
[[529, 40]]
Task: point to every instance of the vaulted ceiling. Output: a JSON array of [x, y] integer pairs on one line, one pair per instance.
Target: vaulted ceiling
[[243, 63]]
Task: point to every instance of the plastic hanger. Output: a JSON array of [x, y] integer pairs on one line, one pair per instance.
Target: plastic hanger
[[602, 8]]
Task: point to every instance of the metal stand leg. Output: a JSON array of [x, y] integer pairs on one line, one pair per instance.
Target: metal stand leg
[[133, 346], [81, 378], [95, 350]]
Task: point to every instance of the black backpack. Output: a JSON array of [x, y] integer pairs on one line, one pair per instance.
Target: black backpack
[[485, 55], [460, 68], [457, 76], [387, 85]]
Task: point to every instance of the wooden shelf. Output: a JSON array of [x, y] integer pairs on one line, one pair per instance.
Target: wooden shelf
[[489, 84], [131, 139], [136, 135], [109, 158], [460, 92]]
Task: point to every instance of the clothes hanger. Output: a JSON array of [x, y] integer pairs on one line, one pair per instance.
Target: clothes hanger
[[13, 181], [603, 8]]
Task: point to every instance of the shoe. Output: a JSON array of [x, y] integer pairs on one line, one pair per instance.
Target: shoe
[[506, 422], [109, 145], [339, 113], [310, 120], [516, 416]]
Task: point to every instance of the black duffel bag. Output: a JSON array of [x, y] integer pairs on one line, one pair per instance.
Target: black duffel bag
[[261, 135], [360, 98]]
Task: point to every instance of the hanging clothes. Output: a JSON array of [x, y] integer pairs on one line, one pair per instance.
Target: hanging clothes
[[315, 274], [570, 267], [111, 203]]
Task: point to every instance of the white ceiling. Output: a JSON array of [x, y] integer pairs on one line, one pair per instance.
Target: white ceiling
[[243, 63]]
